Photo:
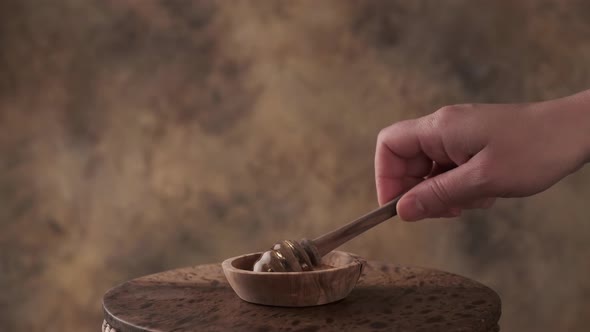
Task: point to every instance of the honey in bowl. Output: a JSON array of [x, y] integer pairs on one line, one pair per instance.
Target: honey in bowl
[[289, 256]]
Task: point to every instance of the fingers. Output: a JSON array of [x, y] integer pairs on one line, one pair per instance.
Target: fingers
[[389, 188], [436, 196], [391, 165], [452, 213], [400, 161], [482, 203], [395, 172], [394, 175], [431, 154], [439, 169]]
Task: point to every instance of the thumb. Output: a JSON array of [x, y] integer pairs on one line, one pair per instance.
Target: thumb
[[434, 196]]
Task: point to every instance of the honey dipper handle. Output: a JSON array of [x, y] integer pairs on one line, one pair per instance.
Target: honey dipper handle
[[338, 237]]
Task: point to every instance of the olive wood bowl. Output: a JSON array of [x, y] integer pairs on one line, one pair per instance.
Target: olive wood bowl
[[294, 289]]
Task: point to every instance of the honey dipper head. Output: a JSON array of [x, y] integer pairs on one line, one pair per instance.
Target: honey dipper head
[[288, 256]]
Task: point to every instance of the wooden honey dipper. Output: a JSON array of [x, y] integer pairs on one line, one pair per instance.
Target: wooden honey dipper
[[304, 255]]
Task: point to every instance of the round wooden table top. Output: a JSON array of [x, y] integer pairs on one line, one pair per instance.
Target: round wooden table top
[[387, 297]]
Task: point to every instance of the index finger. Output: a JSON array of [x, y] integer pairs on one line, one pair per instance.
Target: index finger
[[400, 162]]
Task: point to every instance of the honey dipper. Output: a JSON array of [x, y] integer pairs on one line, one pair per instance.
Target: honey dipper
[[304, 255]]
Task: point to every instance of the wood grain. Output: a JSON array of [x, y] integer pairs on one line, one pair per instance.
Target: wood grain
[[341, 235], [294, 289], [387, 297]]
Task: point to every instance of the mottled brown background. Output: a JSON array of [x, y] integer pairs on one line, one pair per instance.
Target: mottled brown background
[[138, 136]]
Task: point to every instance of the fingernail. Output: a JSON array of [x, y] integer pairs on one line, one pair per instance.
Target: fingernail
[[416, 209]]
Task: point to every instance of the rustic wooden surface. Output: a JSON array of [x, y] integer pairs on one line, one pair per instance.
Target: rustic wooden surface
[[388, 297]]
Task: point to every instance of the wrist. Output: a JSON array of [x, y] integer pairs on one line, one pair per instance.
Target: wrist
[[580, 112], [573, 112], [568, 119]]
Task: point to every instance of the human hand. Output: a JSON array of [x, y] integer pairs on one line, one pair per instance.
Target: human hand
[[464, 156]]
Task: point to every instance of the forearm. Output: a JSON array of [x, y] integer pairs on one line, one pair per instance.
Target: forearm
[[580, 119], [585, 114], [570, 116]]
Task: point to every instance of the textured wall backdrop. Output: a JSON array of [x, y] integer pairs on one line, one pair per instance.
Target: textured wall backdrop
[[137, 136]]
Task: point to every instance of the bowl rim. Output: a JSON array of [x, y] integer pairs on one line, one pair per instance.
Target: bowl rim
[[227, 266]]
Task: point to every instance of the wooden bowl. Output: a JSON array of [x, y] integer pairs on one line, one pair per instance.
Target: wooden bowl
[[294, 289]]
